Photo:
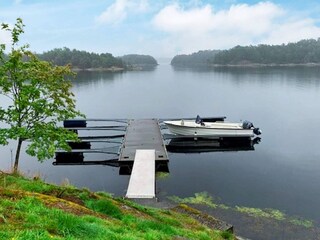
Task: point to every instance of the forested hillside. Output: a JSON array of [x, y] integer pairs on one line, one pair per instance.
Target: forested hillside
[[81, 59], [302, 52], [85, 60], [194, 59]]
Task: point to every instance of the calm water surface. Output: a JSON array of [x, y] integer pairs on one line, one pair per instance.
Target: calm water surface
[[283, 172]]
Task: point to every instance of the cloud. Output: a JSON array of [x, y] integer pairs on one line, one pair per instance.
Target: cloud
[[174, 19], [241, 17], [201, 27], [119, 10], [293, 31]]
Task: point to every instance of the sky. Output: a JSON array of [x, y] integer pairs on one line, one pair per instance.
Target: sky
[[162, 28]]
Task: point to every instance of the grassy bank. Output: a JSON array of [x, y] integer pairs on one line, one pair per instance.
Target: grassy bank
[[32, 209]]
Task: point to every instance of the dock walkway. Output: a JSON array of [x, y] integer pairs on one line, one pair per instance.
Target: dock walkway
[[142, 145], [143, 134]]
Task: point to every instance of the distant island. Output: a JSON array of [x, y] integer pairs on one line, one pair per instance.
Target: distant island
[[304, 52], [195, 59], [82, 60], [135, 61]]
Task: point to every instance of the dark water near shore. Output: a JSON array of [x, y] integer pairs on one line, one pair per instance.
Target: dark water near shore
[[283, 172]]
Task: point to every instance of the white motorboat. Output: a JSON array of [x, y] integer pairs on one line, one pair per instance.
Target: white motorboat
[[217, 129]]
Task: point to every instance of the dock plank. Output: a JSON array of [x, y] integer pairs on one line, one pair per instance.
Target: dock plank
[[142, 180]]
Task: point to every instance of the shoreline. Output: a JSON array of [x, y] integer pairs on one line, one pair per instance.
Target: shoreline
[[111, 69], [116, 69], [268, 65], [251, 65]]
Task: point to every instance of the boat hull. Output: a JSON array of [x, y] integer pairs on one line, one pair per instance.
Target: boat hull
[[209, 130]]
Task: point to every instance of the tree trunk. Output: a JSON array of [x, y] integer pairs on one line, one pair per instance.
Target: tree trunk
[[16, 161]]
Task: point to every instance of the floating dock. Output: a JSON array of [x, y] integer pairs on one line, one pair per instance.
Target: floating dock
[[143, 134], [140, 149], [143, 145]]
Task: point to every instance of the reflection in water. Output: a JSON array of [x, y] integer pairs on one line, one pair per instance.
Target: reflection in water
[[144, 67], [93, 78], [306, 76], [161, 167], [80, 158], [207, 145]]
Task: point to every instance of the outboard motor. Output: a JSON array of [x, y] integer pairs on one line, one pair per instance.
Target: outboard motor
[[257, 131], [248, 125]]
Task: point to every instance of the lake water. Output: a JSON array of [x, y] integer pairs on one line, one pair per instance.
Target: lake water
[[283, 172]]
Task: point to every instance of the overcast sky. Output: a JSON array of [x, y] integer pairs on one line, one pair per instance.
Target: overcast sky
[[160, 28]]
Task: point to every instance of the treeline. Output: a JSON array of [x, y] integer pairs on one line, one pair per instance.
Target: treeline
[[85, 60], [81, 59], [195, 59], [139, 60], [302, 52]]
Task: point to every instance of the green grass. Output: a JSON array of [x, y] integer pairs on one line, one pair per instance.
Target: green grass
[[104, 206], [19, 182], [31, 209]]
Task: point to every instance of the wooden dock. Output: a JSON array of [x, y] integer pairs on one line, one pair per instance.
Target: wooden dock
[[143, 134]]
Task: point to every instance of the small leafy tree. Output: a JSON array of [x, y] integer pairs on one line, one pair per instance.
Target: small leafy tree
[[39, 98]]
